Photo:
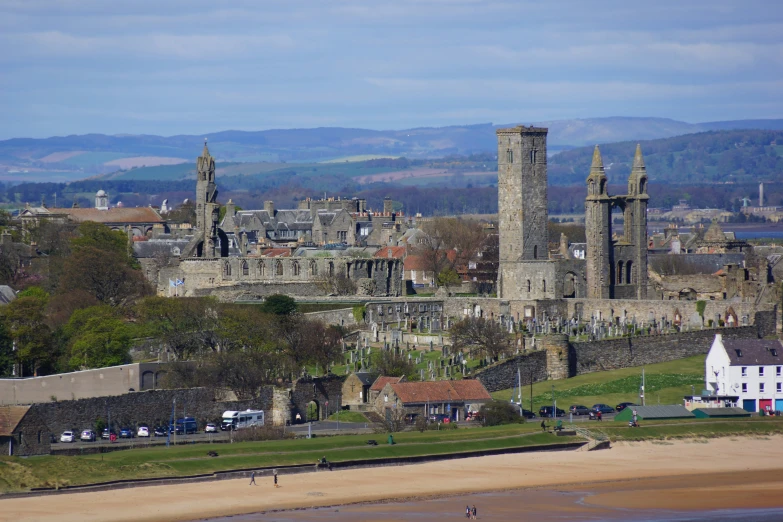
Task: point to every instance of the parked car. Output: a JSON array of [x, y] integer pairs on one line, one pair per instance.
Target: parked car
[[623, 405], [88, 436], [143, 431], [546, 411], [126, 433], [440, 417], [603, 408], [579, 410], [210, 428], [67, 436], [160, 431], [527, 414], [107, 433]]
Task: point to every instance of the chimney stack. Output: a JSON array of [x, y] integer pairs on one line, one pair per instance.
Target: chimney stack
[[269, 206], [388, 206]]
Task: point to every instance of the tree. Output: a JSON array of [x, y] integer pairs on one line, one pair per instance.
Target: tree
[[7, 358], [187, 325], [387, 362], [98, 338], [496, 413], [488, 337], [448, 278], [279, 304], [446, 243], [25, 322], [309, 342]]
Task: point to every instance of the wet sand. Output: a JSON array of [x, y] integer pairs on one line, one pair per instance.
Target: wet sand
[[629, 481]]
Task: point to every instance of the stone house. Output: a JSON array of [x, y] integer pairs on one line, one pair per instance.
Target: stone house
[[23, 431], [379, 383], [452, 398], [356, 389]]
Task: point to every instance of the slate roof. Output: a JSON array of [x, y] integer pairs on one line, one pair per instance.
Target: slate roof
[[7, 294], [383, 380], [755, 352], [112, 215], [147, 249], [721, 412], [441, 391], [365, 377], [10, 417]]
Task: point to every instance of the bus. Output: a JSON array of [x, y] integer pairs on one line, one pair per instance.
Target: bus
[[236, 420]]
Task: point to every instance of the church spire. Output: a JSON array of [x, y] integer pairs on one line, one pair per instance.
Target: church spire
[[598, 162], [596, 181], [637, 181], [638, 160]]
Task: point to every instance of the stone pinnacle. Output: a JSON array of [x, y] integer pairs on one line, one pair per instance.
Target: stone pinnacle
[[638, 160]]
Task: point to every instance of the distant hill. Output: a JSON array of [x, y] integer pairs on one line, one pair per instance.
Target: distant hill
[[715, 156], [69, 158]]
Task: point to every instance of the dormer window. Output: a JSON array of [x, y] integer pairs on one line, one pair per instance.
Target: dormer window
[[774, 352], [739, 352]]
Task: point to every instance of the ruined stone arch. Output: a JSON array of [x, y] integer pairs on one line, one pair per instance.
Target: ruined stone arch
[[570, 283], [227, 269], [730, 318], [261, 269], [619, 272], [295, 268], [245, 269], [313, 268], [629, 279], [279, 268]]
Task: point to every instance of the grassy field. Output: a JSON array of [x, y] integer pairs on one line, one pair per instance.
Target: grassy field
[[19, 474], [689, 428], [666, 383], [348, 416]]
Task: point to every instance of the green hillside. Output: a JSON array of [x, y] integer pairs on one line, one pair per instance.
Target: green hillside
[[718, 156]]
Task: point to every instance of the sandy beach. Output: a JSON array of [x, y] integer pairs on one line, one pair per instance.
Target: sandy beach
[[729, 473]]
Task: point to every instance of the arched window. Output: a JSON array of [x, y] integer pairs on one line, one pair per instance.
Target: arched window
[[227, 270], [528, 285], [619, 275], [628, 272], [313, 268], [603, 187], [543, 285], [642, 186], [279, 268], [295, 268], [509, 156], [535, 252], [532, 156], [261, 269], [245, 269]]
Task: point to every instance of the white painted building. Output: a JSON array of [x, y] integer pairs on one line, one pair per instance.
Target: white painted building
[[751, 369]]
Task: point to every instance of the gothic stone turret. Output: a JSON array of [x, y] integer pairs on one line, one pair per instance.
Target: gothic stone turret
[[206, 242]]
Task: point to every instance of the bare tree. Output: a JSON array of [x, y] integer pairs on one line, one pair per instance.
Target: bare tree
[[477, 333]]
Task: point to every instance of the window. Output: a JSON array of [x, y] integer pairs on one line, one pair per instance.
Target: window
[[528, 285], [779, 387], [295, 268], [744, 387], [313, 268], [761, 371], [245, 269], [543, 285], [628, 267], [535, 252], [261, 269], [744, 371], [761, 387], [227, 270], [532, 156], [279, 268], [620, 272], [777, 371], [509, 156]]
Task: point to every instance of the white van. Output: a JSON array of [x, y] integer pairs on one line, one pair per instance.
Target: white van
[[236, 420]]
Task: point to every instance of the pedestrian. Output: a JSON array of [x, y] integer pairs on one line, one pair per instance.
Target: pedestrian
[[634, 418], [275, 473], [543, 425], [475, 516], [467, 511], [252, 479], [599, 415]]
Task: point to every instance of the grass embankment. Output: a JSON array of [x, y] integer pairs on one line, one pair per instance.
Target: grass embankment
[[689, 428], [19, 474], [348, 416], [665, 383]]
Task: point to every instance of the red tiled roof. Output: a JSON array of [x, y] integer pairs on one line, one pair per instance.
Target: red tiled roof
[[112, 215], [392, 252], [415, 263], [440, 391], [383, 380], [277, 252], [10, 417]]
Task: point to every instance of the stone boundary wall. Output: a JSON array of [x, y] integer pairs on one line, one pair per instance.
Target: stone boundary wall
[[99, 382], [612, 354], [341, 317], [625, 352], [149, 407], [503, 376]]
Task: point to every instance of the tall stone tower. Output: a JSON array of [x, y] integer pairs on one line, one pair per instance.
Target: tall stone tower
[[598, 228], [522, 194], [206, 205], [635, 229]]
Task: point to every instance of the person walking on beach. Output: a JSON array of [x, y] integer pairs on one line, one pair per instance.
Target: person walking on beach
[[467, 511], [252, 479], [275, 473], [475, 516]]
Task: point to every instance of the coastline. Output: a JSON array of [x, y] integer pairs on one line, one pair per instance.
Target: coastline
[[657, 474]]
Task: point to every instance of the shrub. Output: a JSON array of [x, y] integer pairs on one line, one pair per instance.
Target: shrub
[[499, 412], [262, 433]]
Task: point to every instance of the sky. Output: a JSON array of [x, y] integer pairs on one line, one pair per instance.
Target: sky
[[171, 67]]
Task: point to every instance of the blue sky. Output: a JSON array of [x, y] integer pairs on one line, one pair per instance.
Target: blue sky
[[193, 66]]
